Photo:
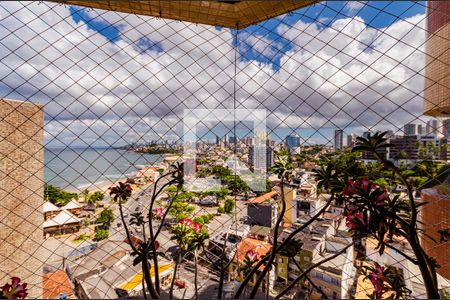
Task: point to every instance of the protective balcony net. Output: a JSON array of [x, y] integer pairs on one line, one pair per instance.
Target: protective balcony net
[[92, 97]]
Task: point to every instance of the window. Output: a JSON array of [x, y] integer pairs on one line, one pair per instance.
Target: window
[[335, 281]]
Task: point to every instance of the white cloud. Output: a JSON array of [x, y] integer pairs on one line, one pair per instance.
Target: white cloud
[[346, 74], [354, 6]]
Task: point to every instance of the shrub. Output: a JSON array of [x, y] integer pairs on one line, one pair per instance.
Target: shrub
[[229, 205], [220, 210], [101, 234], [106, 217], [204, 219]]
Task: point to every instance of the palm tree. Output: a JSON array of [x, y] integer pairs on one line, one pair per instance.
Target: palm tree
[[200, 235], [189, 236]]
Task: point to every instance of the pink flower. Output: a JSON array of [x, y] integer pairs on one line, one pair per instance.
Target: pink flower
[[251, 255], [186, 222], [350, 219], [15, 290], [364, 184], [376, 277], [159, 212], [350, 187], [382, 198], [197, 228]]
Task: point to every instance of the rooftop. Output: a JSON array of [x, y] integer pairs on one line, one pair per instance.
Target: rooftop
[[56, 283]]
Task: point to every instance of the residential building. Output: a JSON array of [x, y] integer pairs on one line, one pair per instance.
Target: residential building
[[444, 148], [63, 223], [50, 210], [261, 157], [446, 128], [57, 285], [320, 240], [334, 277], [435, 216], [420, 130], [437, 74], [73, 207], [232, 140], [432, 127], [410, 129], [109, 272], [404, 147], [351, 140], [227, 241], [21, 193], [338, 139], [262, 214], [235, 268]]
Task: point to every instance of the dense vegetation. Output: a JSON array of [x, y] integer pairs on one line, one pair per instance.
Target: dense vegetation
[[58, 196]]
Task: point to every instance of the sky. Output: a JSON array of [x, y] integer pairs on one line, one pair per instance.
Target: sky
[[108, 78]]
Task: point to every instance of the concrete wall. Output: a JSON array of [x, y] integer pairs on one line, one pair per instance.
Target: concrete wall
[[435, 216], [21, 193]]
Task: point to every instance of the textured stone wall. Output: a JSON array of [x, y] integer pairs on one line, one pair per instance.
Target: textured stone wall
[[436, 216], [437, 71], [21, 193]]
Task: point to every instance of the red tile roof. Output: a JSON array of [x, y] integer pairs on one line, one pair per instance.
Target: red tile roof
[[263, 198], [55, 284], [261, 247]]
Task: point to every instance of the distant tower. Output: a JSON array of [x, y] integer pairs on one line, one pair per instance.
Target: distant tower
[[292, 143], [446, 128], [217, 140], [420, 129], [410, 129], [432, 127], [338, 139], [22, 193], [351, 139]]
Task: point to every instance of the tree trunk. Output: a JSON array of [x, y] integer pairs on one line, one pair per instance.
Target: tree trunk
[[195, 274], [177, 263]]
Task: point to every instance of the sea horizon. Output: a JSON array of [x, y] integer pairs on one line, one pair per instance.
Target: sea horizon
[[78, 168]]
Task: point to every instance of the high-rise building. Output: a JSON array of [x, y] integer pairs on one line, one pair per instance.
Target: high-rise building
[[22, 193], [261, 158], [232, 140], [292, 143], [261, 153], [432, 127], [404, 147], [446, 128], [410, 129], [338, 139], [217, 140], [420, 129], [351, 139], [437, 59]]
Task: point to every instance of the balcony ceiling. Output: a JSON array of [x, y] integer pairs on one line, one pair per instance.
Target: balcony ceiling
[[230, 14]]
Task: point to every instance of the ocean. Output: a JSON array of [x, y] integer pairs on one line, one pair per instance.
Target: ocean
[[76, 169]]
